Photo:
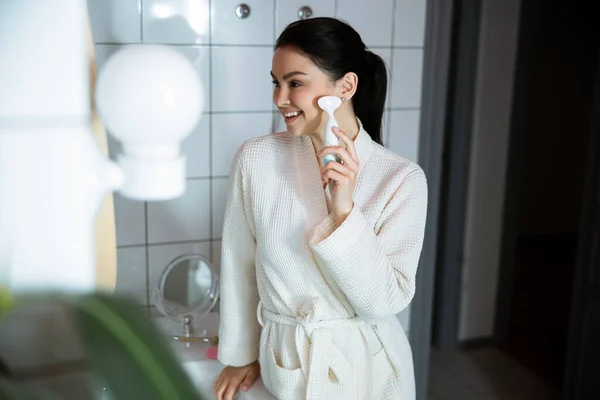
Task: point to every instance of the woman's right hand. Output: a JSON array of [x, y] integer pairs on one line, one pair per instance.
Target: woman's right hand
[[232, 378]]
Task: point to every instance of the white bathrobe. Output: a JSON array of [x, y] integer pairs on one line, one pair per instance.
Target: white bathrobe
[[325, 298]]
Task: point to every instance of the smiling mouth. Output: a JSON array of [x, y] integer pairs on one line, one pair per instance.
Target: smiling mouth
[[292, 114]]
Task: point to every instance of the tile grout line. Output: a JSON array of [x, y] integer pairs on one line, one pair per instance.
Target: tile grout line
[[196, 241], [391, 75], [147, 249], [203, 178], [263, 46], [244, 112], [141, 10], [210, 134], [274, 39], [158, 244], [275, 10], [277, 112]]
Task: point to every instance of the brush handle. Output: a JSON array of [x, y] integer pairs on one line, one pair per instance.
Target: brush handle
[[330, 138]]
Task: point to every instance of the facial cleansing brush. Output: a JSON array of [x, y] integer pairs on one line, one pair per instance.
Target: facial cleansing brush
[[329, 104]]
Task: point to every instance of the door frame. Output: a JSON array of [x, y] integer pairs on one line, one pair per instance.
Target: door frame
[[436, 61], [464, 64]]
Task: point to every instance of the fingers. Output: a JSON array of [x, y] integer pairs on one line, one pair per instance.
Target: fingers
[[341, 168], [250, 378], [219, 390], [343, 154], [230, 392], [347, 141], [220, 387], [227, 389], [226, 386], [231, 378], [333, 175], [344, 174]]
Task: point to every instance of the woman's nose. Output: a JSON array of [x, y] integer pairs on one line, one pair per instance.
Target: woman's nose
[[280, 97]]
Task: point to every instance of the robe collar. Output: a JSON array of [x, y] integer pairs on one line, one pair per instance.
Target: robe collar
[[363, 144]]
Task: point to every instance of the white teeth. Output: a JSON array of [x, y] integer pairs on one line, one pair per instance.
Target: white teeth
[[292, 114]]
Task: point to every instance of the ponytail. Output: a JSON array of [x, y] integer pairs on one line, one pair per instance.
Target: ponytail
[[369, 99]]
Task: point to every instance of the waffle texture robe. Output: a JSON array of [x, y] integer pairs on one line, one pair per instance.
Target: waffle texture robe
[[316, 305]]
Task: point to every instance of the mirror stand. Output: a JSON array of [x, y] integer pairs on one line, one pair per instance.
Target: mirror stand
[[188, 290]]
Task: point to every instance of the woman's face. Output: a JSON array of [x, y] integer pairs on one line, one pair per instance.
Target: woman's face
[[298, 84]]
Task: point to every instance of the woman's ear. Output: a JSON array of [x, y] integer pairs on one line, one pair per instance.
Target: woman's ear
[[348, 85]]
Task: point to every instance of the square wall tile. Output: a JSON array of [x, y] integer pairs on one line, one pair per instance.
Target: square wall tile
[[255, 29], [278, 123], [241, 79], [216, 261], [131, 273], [407, 76], [220, 188], [102, 53], [160, 256], [371, 19], [115, 21], [184, 218], [386, 55], [196, 148], [176, 21], [230, 131], [288, 10], [404, 134], [130, 221], [409, 28], [385, 128]]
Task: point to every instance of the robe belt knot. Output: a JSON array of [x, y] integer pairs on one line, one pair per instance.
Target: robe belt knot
[[319, 357]]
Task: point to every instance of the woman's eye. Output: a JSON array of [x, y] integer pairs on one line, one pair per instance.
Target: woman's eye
[[295, 84], [275, 83]]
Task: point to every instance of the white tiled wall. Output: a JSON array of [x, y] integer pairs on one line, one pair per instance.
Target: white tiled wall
[[233, 59]]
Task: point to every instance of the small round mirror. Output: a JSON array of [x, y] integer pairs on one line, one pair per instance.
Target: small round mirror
[[188, 287]]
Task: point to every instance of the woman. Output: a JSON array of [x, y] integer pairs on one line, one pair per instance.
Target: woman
[[321, 257]]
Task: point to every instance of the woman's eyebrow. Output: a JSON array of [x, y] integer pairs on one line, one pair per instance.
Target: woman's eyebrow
[[290, 74]]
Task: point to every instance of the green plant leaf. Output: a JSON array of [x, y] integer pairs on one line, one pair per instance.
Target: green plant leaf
[[130, 354], [6, 301]]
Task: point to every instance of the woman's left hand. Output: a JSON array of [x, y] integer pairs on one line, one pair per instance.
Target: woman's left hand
[[342, 174]]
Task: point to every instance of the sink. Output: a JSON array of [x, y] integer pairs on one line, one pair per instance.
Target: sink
[[202, 370]]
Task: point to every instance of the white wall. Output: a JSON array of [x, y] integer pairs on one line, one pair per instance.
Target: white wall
[[233, 59], [497, 52]]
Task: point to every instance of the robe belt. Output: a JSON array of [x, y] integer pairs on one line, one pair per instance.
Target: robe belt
[[316, 351]]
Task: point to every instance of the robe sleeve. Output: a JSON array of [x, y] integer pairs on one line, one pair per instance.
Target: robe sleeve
[[376, 270], [239, 331]]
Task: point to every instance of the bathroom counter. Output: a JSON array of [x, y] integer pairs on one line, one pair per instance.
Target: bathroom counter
[[202, 370]]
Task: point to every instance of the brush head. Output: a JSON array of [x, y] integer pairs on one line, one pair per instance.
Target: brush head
[[329, 103]]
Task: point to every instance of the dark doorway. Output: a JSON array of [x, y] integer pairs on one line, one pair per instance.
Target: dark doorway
[[552, 112]]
